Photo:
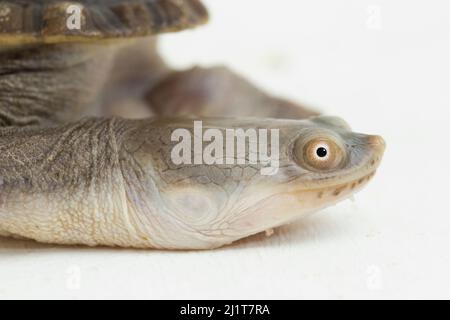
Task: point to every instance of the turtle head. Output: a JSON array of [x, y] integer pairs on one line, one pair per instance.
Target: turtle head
[[304, 166], [322, 161]]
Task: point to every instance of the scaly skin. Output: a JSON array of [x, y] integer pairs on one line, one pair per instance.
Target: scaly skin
[[112, 182]]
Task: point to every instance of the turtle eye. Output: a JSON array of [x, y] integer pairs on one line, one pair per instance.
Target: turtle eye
[[320, 154]]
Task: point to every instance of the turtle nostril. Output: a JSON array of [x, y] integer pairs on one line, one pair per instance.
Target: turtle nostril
[[377, 141]]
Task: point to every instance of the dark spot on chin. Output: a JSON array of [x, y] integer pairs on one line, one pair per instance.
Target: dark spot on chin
[[320, 195]]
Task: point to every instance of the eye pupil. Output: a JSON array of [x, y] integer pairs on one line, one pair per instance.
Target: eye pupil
[[322, 152]]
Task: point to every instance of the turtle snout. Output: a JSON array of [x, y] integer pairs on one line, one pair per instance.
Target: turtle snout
[[377, 142], [377, 146]]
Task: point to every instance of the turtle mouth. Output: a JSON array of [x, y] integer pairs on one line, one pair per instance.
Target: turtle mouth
[[337, 190], [341, 182], [348, 187], [283, 207]]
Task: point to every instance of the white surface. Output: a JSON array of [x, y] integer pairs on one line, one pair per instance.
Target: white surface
[[387, 74]]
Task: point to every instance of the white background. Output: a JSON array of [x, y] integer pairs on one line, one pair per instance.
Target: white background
[[384, 67]]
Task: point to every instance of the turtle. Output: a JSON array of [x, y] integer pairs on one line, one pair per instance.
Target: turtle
[[104, 144]]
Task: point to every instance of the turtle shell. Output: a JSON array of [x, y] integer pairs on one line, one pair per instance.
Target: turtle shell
[[52, 21]]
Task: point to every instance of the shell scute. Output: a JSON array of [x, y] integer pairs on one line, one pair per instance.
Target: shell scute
[[49, 20]]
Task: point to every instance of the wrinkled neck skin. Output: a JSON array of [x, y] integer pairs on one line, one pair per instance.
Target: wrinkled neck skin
[[50, 84]]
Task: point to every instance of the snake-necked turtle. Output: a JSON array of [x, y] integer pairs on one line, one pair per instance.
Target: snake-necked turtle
[[78, 167]]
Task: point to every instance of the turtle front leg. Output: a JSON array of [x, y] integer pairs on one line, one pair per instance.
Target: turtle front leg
[[136, 67], [218, 92]]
